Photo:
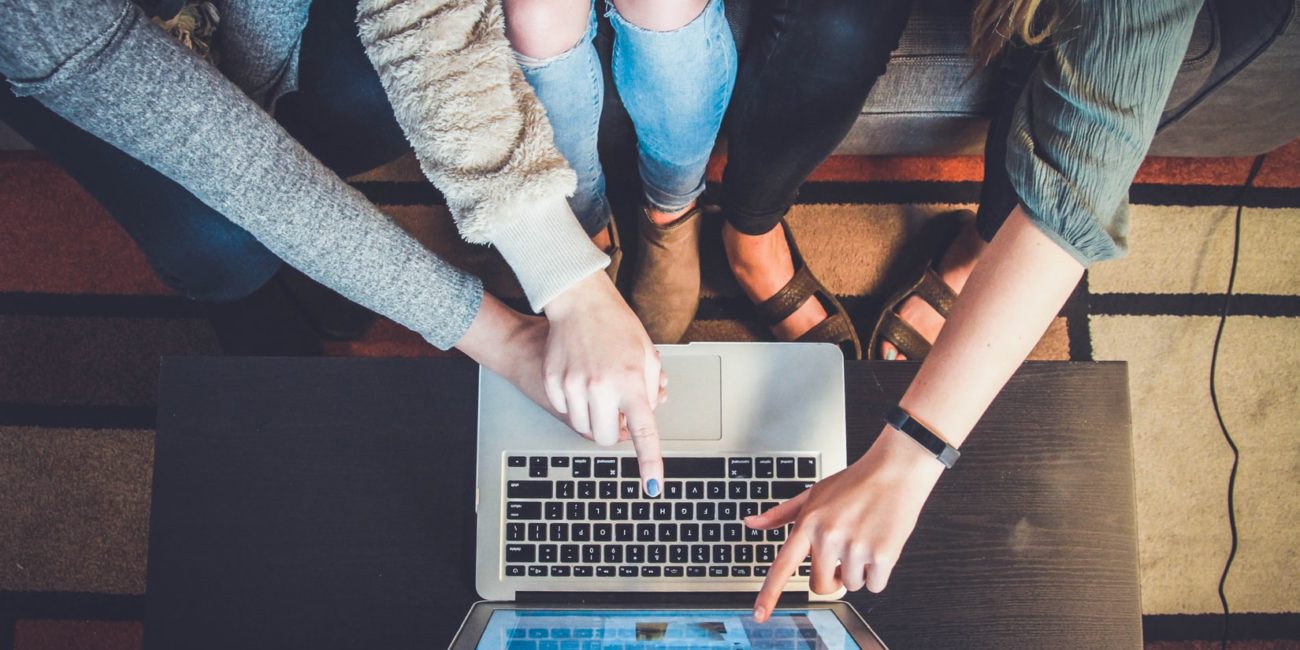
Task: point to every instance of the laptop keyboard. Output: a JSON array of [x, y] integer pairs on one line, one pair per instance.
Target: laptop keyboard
[[587, 516]]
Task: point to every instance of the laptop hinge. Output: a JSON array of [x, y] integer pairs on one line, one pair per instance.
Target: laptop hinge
[[727, 598]]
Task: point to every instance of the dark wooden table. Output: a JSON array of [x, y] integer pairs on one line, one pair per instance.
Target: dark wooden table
[[328, 503]]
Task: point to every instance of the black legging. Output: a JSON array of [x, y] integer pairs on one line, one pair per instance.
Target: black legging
[[804, 76]]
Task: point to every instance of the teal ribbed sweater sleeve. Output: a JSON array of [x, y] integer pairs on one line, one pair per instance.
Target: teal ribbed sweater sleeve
[[1088, 114]]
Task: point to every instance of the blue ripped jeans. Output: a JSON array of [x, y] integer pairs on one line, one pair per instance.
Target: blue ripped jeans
[[675, 85]]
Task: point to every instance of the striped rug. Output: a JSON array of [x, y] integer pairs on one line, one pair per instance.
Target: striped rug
[[83, 322]]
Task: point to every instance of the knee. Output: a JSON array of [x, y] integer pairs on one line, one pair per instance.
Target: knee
[[660, 15], [542, 29], [221, 267]]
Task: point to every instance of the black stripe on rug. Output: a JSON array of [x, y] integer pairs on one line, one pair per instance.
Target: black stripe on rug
[[71, 605], [403, 193], [1209, 627], [77, 416], [1192, 304]]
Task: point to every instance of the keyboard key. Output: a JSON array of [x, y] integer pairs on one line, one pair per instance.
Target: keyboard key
[[748, 509], [727, 511], [758, 490], [582, 468], [690, 532], [716, 490], [613, 554], [514, 570], [523, 553], [712, 532], [732, 532], [640, 511], [537, 466], [673, 572], [514, 532], [667, 532], [602, 533], [596, 511], [609, 490], [623, 532], [722, 554], [744, 553], [536, 571], [559, 461], [718, 572], [662, 511], [740, 572], [788, 489], [554, 510], [586, 489], [627, 572], [649, 572], [740, 468], [582, 572], [564, 489], [764, 467], [695, 490], [581, 532], [618, 511], [699, 554], [695, 571], [523, 510], [807, 468], [528, 489], [766, 553], [629, 467], [604, 572], [673, 489], [678, 553], [605, 468], [805, 570], [537, 532], [548, 553], [559, 532], [575, 511], [776, 534], [785, 468], [560, 571], [645, 532], [684, 511], [694, 468], [590, 553], [760, 572], [736, 491], [634, 553], [517, 461], [569, 553], [704, 511], [629, 490], [753, 534]]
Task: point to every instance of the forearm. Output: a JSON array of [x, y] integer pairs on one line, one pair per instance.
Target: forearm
[[1013, 294], [143, 93]]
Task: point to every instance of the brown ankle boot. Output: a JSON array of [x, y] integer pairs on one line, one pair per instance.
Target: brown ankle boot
[[666, 284]]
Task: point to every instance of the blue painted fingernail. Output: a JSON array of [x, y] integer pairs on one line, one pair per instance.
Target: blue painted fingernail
[[652, 487]]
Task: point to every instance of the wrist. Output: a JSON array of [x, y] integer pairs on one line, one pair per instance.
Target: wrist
[[895, 450], [577, 296], [490, 334]]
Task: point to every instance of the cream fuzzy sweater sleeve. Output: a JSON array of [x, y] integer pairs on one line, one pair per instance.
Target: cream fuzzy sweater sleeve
[[481, 135]]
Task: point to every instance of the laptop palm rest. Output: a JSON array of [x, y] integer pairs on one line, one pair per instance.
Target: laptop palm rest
[[694, 407]]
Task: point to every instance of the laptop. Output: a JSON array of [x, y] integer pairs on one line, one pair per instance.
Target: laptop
[[563, 523]]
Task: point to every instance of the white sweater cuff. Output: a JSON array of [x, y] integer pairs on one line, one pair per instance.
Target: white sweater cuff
[[547, 250]]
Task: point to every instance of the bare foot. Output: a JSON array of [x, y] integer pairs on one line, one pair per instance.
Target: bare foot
[[955, 268], [762, 265], [602, 240]]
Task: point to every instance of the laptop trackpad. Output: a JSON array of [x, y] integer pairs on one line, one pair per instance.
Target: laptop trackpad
[[694, 407]]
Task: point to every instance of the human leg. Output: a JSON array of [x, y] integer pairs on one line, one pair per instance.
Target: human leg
[[803, 79]]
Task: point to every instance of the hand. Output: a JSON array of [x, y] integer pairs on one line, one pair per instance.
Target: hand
[[854, 522], [600, 364]]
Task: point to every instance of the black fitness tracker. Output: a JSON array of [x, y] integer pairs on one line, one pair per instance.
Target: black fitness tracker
[[902, 420]]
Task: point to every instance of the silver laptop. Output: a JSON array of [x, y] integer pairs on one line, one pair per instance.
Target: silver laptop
[[746, 426]]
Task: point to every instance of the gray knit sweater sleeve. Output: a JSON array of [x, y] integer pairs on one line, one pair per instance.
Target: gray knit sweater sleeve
[[1087, 117], [481, 135], [125, 81]]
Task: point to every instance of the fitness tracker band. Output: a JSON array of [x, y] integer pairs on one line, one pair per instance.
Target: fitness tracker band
[[902, 421]]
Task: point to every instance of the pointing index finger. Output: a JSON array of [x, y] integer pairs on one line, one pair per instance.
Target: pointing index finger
[[645, 438], [791, 555]]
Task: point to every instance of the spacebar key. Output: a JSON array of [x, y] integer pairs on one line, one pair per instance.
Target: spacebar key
[[788, 489], [694, 468]]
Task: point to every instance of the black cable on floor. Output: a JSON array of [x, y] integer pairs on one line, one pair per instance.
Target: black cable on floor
[[1214, 396]]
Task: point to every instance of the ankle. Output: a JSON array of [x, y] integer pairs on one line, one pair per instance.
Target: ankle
[[667, 218]]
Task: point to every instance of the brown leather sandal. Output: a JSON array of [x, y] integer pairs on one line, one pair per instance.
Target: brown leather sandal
[[835, 328], [926, 284]]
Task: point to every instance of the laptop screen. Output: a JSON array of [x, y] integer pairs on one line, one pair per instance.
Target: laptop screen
[[663, 629]]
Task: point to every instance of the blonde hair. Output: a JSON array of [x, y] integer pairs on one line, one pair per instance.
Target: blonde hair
[[996, 23]]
